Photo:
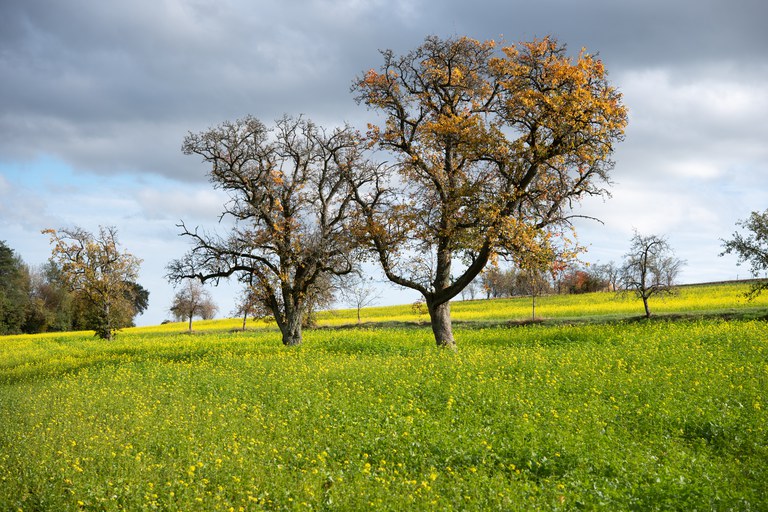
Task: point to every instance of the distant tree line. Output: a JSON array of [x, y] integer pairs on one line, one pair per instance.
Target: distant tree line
[[496, 282], [649, 268], [42, 299]]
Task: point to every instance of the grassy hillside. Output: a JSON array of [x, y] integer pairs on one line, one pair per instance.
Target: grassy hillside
[[706, 299], [613, 415]]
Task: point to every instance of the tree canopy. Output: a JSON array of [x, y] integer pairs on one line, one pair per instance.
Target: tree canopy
[[193, 300], [650, 268], [101, 275], [290, 202], [492, 147], [14, 291], [752, 247]]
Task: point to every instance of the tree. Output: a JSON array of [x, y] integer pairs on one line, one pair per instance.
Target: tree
[[541, 257], [534, 281], [191, 301], [358, 292], [57, 298], [290, 201], [584, 280], [496, 282], [610, 273], [137, 301], [752, 248], [140, 297], [491, 148], [650, 268], [50, 301], [470, 291], [492, 280], [248, 303], [208, 311], [14, 291], [320, 297], [100, 274]]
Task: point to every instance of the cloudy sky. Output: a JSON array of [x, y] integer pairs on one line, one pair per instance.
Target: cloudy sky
[[96, 97]]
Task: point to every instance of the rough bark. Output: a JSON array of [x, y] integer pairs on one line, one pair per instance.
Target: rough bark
[[440, 318], [291, 329], [108, 322]]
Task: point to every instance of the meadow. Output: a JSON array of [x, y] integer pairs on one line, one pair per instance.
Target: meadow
[[591, 409]]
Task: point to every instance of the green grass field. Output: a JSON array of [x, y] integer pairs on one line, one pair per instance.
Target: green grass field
[[583, 411]]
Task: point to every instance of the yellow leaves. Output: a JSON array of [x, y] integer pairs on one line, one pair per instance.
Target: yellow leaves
[[373, 135], [567, 97], [437, 74], [457, 129], [373, 80], [276, 178], [377, 87], [371, 77], [490, 143]]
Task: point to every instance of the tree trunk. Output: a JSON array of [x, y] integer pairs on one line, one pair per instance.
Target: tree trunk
[[245, 319], [647, 309], [190, 323], [440, 318], [291, 329], [107, 322]]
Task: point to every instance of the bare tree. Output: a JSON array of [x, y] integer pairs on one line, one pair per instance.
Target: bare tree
[[471, 290], [191, 301], [208, 310], [610, 273], [358, 292], [650, 268], [320, 297], [290, 200], [249, 304], [753, 248], [491, 147]]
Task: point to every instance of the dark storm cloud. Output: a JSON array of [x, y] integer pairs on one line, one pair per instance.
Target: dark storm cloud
[[628, 34], [115, 89], [114, 86]]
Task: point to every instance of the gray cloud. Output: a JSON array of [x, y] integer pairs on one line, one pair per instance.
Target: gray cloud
[[113, 87]]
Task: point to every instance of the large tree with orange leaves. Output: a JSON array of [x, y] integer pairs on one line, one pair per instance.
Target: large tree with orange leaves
[[290, 200], [491, 147]]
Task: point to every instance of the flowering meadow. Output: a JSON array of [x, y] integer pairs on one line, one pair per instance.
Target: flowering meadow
[[619, 415]]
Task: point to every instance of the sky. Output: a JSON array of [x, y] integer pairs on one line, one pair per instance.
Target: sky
[[96, 98]]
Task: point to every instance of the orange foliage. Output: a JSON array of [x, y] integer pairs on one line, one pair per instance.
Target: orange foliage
[[493, 147]]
